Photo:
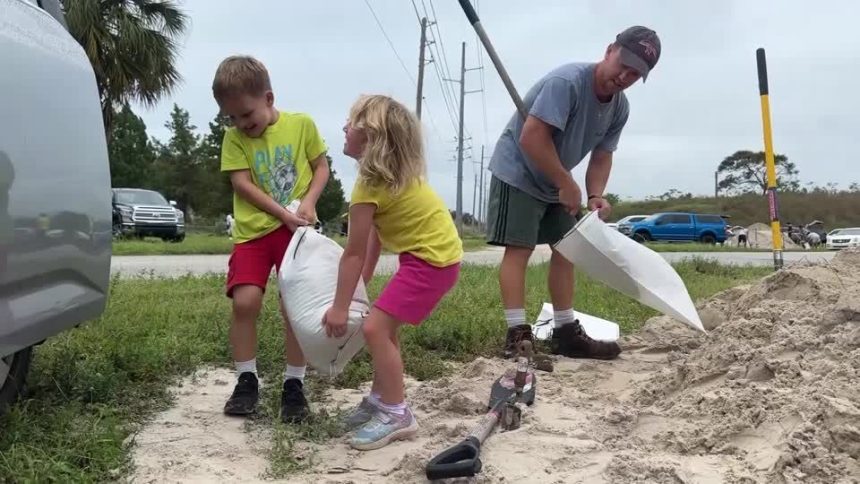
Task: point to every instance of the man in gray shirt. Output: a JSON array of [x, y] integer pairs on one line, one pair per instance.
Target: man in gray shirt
[[575, 109]]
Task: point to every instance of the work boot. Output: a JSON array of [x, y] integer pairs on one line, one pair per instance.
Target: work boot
[[243, 400], [571, 340], [294, 406], [515, 335]]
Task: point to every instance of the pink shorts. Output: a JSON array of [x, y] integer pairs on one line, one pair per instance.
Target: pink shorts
[[416, 289]]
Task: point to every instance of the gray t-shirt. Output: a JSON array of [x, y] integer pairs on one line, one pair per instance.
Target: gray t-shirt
[[564, 98]]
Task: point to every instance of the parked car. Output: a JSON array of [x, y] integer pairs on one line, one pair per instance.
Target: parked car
[[680, 226], [146, 213], [843, 238], [55, 220], [625, 223]]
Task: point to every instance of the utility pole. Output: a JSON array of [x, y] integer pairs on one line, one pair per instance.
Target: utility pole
[[420, 94], [463, 92], [481, 195], [716, 185], [460, 141], [475, 198]]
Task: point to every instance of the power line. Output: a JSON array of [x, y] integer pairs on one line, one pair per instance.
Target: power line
[[382, 29], [441, 55]]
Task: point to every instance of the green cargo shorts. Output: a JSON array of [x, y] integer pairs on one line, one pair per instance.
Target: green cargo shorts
[[515, 218]]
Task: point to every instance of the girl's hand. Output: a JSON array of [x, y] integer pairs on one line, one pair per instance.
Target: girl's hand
[[334, 322]]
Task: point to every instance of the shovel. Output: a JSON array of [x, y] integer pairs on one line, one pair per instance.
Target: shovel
[[464, 459]]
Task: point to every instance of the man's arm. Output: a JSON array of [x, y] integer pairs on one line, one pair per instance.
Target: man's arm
[[536, 142], [245, 188], [597, 174]]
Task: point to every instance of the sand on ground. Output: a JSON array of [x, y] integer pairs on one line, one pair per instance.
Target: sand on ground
[[770, 394]]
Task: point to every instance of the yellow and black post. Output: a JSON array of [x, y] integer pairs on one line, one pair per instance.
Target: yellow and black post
[[771, 166]]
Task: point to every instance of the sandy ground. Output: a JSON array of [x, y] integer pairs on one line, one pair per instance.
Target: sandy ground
[[770, 394]]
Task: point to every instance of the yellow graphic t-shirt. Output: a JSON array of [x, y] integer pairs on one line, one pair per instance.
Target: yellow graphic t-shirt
[[415, 221], [279, 162]]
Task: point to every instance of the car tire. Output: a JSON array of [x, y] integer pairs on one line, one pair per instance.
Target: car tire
[[641, 237], [13, 376], [709, 239]]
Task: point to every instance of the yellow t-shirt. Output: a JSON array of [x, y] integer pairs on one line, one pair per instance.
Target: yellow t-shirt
[[415, 221], [279, 161]]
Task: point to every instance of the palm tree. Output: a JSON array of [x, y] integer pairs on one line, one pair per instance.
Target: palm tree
[[132, 46]]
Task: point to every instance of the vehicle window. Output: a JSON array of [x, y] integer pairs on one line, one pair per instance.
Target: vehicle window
[[849, 232], [710, 219], [140, 198], [678, 219], [633, 220]]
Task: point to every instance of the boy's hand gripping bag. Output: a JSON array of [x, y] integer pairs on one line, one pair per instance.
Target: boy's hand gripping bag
[[307, 282]]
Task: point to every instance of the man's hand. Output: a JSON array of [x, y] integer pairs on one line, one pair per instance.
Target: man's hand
[[307, 211], [334, 322], [603, 207], [570, 196], [291, 220]]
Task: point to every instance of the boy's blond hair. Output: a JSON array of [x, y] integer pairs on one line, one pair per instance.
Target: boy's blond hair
[[240, 74], [394, 153]]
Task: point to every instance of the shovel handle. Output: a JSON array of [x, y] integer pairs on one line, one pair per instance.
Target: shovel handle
[[461, 460]]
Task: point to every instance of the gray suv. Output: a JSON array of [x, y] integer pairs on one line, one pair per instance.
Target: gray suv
[[55, 216], [141, 213]]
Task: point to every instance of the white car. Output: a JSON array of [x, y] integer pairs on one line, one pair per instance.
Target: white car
[[843, 238], [624, 224]]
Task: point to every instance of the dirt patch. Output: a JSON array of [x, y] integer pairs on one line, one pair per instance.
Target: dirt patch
[[770, 394]]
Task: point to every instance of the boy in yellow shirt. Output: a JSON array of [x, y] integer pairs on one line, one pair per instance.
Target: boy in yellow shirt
[[273, 158]]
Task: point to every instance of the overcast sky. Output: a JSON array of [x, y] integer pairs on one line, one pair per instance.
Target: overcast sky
[[699, 105]]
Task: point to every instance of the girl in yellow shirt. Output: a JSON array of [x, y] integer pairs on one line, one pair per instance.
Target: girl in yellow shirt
[[392, 207]]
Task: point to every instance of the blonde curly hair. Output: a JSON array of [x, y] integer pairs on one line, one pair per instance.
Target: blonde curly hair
[[394, 154]]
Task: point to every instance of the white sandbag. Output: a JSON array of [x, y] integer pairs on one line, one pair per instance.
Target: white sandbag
[[597, 328], [307, 282], [629, 267]]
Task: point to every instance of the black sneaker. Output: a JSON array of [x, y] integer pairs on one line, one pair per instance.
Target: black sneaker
[[514, 336], [243, 400], [294, 406], [571, 340]]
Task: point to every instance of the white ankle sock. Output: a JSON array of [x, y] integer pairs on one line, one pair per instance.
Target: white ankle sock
[[375, 397], [246, 366], [397, 409], [515, 317], [561, 318], [297, 372]]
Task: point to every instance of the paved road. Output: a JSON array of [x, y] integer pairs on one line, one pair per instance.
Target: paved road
[[175, 266]]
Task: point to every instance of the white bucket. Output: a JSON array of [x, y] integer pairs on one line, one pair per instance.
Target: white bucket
[[629, 267]]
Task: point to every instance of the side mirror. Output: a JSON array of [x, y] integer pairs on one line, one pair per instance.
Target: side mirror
[[173, 203]]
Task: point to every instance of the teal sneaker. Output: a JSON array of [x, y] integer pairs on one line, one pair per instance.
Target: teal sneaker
[[384, 428], [359, 415]]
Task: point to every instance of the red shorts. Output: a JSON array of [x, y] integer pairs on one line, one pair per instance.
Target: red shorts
[[416, 289], [251, 262]]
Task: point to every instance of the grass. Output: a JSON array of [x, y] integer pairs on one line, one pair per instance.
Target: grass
[[92, 387], [200, 244]]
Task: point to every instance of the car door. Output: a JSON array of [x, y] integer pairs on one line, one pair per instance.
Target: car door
[[55, 207], [676, 227]]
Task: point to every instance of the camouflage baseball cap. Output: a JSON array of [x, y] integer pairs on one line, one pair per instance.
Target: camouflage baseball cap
[[640, 49]]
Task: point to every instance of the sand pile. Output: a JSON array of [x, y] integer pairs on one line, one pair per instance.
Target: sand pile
[[777, 379], [771, 394]]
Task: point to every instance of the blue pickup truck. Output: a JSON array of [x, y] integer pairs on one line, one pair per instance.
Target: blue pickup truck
[[679, 227]]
